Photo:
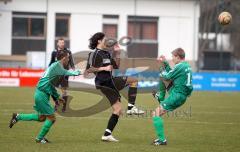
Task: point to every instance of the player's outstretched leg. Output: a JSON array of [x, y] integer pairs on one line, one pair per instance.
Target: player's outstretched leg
[[160, 95], [112, 123], [45, 129], [23, 117], [132, 93], [56, 105], [158, 125], [65, 97]]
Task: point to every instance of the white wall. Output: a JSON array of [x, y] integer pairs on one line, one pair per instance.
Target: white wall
[[177, 20], [5, 33], [122, 27], [50, 36], [175, 32], [84, 25], [24, 5]]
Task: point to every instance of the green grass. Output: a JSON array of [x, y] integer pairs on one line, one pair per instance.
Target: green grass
[[208, 121]]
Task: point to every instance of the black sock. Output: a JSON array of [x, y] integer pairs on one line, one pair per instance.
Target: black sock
[[130, 107], [65, 98], [111, 124], [132, 93]]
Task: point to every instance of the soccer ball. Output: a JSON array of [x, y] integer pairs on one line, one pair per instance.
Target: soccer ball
[[225, 18]]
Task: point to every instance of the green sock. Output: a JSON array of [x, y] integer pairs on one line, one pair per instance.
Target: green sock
[[158, 124], [45, 128], [162, 91], [28, 117]]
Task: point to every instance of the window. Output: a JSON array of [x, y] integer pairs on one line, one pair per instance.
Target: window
[[144, 33], [28, 32], [110, 25], [142, 29], [110, 30], [28, 25], [62, 28], [62, 25], [20, 26], [37, 27]]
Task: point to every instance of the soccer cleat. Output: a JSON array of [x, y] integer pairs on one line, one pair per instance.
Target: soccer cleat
[[42, 141], [109, 138], [135, 111], [56, 105], [158, 95], [64, 107], [13, 120], [55, 108], [157, 142], [155, 94], [64, 103]]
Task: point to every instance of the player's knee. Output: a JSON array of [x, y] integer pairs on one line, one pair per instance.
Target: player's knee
[[133, 84], [52, 118], [135, 80], [64, 92], [161, 111], [157, 111], [53, 121], [117, 109], [162, 79], [42, 118], [153, 114]]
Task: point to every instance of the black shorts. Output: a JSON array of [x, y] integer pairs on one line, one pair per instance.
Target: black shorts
[[64, 82], [112, 87]]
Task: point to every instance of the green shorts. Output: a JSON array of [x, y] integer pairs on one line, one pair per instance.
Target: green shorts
[[42, 103], [173, 101]]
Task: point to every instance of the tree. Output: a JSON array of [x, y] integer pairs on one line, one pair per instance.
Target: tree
[[209, 11]]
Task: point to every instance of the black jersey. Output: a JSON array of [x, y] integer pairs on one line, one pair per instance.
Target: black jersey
[[54, 58], [101, 58]]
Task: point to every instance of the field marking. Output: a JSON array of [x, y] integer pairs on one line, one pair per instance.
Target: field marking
[[204, 112], [145, 118], [22, 103]]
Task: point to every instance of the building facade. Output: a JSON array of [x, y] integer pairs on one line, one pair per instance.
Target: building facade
[[155, 26]]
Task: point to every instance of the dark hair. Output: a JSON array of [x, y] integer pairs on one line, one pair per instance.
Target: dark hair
[[61, 54], [60, 39], [93, 41], [179, 52]]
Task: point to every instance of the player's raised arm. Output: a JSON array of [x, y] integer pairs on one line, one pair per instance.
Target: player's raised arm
[[95, 64], [55, 95], [53, 56], [93, 69], [178, 56], [164, 65], [71, 61], [171, 74], [115, 61], [63, 57]]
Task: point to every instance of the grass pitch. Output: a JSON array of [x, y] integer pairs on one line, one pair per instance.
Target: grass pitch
[[208, 121]]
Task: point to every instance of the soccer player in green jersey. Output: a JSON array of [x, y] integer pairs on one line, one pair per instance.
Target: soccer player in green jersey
[[45, 88], [180, 78]]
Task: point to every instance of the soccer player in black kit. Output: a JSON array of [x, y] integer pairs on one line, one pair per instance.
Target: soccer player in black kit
[[63, 82], [102, 63]]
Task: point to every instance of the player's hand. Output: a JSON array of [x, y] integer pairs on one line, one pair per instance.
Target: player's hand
[[161, 59], [77, 72], [116, 48], [108, 68], [110, 42], [61, 100], [85, 73]]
